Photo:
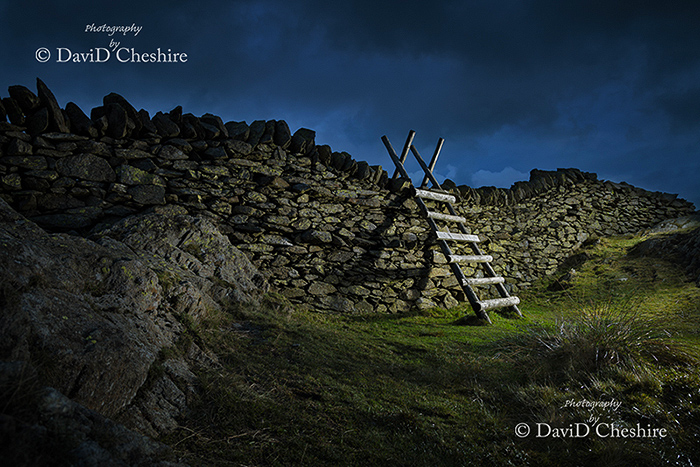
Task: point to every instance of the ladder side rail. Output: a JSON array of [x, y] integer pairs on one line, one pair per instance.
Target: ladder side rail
[[491, 273], [425, 168], [404, 152], [469, 292], [397, 162], [488, 269], [475, 248], [433, 161], [456, 270], [462, 280]]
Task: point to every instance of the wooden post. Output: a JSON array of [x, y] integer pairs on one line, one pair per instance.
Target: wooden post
[[397, 162], [433, 161], [404, 152], [425, 168]]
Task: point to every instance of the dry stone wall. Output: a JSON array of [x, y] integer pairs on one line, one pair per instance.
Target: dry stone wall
[[330, 232]]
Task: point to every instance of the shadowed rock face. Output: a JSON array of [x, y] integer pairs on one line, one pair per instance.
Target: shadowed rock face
[[95, 316], [41, 426]]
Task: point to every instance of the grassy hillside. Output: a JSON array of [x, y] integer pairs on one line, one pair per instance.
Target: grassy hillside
[[299, 388]]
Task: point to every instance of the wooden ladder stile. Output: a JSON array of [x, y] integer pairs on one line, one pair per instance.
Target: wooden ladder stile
[[437, 194]]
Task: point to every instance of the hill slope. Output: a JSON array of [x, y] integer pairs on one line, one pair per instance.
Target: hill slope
[[613, 355]]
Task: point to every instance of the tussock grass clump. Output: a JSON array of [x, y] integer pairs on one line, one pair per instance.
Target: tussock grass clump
[[601, 337]]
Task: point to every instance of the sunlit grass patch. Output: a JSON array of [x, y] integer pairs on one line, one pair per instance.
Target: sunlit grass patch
[[303, 388]]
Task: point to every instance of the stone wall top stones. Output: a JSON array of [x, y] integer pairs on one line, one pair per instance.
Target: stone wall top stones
[[327, 230]]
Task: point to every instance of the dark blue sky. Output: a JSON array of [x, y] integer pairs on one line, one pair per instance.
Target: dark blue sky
[[611, 87]]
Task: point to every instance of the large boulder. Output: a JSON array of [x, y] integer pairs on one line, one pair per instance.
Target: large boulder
[[96, 317]]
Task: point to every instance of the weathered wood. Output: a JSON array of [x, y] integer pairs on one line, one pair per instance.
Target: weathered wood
[[425, 168], [395, 158], [444, 197], [470, 259], [491, 273], [446, 217], [485, 281], [404, 152], [438, 194], [457, 237], [498, 303], [433, 161]]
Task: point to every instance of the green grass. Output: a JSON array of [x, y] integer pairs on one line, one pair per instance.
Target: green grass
[[303, 388]]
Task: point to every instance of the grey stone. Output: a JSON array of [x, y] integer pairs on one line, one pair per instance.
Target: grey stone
[[216, 153], [86, 167], [238, 130], [171, 153], [48, 100], [131, 154], [79, 122], [321, 288], [338, 160], [13, 111], [117, 121], [181, 144], [130, 175], [11, 182], [165, 126], [189, 130], [303, 141], [316, 237], [147, 194], [362, 171], [283, 135], [27, 101], [102, 314], [26, 162], [238, 147], [131, 114], [324, 154], [210, 131], [257, 128], [146, 122], [216, 122], [18, 147], [63, 222], [268, 135], [175, 115]]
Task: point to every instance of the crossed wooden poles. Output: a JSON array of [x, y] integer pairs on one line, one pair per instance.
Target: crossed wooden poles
[[436, 193]]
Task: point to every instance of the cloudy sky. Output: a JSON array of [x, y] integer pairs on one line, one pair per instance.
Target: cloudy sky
[[611, 87]]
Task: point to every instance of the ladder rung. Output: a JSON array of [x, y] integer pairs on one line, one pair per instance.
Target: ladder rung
[[457, 237], [470, 258], [499, 302], [484, 281], [446, 217], [435, 196]]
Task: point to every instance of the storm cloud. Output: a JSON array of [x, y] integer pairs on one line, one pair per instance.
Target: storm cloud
[[608, 87]]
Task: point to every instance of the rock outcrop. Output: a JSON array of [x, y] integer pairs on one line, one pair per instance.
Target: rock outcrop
[[680, 242], [99, 316]]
